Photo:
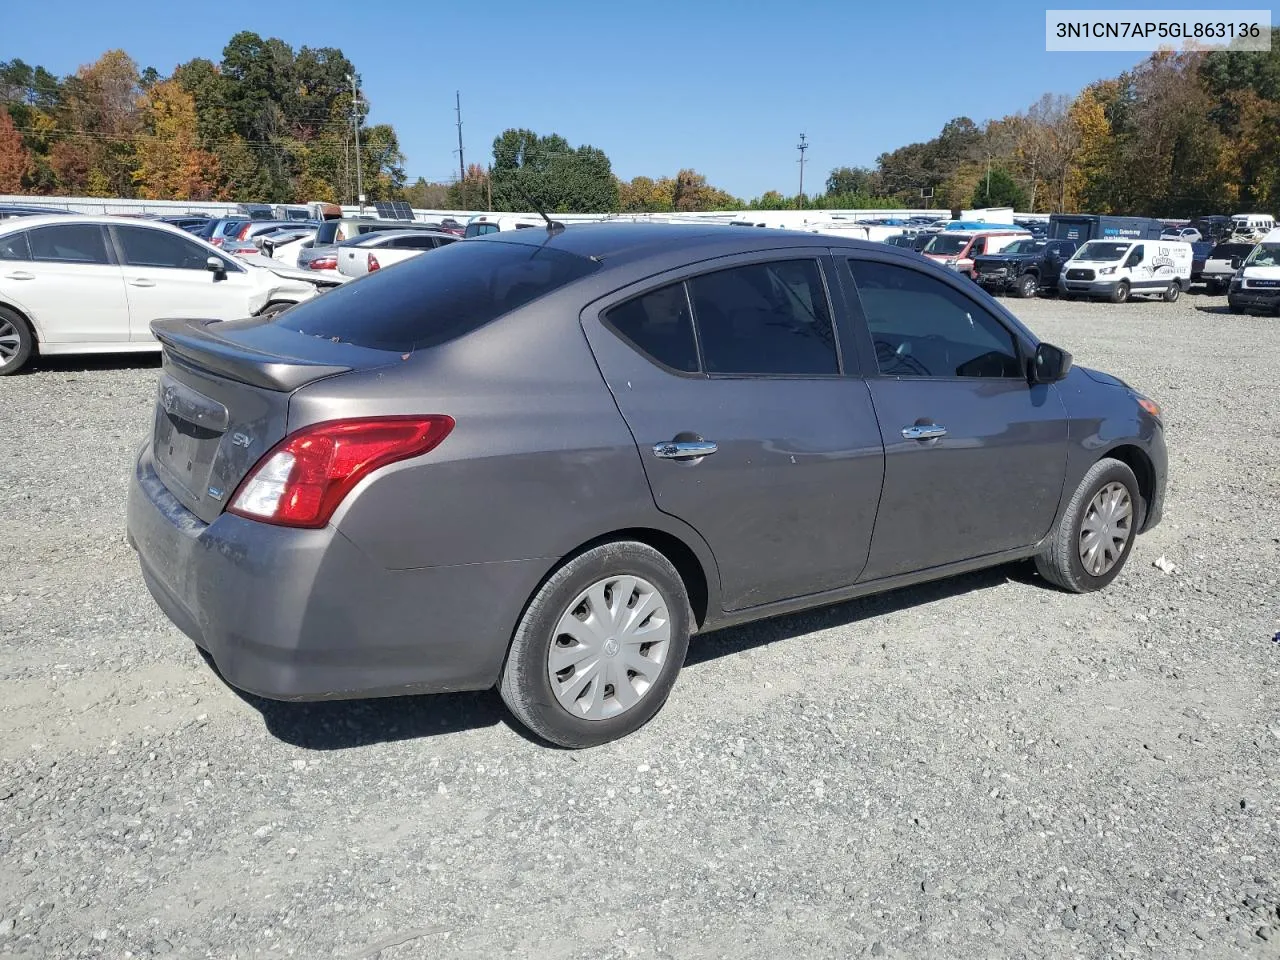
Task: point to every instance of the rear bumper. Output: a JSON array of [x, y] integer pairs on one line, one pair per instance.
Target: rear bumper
[[305, 614]]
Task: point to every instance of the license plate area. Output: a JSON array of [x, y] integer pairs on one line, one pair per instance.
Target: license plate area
[[188, 432]]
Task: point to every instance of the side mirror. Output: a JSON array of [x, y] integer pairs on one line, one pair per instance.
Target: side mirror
[[1235, 263], [215, 266], [1049, 365]]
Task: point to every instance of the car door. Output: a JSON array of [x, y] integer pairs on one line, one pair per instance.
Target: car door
[[71, 287], [1056, 253], [747, 425], [975, 457], [167, 275]]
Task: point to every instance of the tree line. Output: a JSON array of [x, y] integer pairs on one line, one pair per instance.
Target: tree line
[[1180, 134]]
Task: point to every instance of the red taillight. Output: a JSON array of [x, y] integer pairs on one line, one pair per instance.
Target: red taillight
[[323, 263], [373, 263], [303, 478]]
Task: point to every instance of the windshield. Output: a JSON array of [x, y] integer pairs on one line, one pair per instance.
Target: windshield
[[1264, 255], [1024, 246], [1102, 250], [946, 244], [430, 300]]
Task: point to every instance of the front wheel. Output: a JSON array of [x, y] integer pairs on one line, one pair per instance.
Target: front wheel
[[1121, 292], [599, 646], [16, 342], [1171, 292], [1091, 543], [1028, 287], [271, 309]]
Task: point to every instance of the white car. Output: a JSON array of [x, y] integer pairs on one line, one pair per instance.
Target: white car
[[1222, 263], [1185, 234], [373, 251], [285, 245], [84, 284]]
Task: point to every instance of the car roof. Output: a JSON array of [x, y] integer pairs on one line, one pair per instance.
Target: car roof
[[392, 234], [28, 223], [616, 244]]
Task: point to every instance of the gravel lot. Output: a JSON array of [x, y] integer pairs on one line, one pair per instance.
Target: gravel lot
[[982, 767]]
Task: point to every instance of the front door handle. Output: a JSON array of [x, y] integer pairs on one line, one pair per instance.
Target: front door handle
[[683, 449], [20, 275], [141, 282], [923, 431]]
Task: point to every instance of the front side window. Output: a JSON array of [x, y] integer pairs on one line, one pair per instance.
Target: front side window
[[1135, 257], [15, 247], [660, 326], [767, 318], [69, 243], [155, 248], [921, 327]]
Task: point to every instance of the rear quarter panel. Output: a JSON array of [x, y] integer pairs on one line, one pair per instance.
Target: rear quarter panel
[[540, 460]]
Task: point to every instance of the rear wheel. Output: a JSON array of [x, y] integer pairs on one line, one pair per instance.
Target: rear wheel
[[1121, 292], [1028, 286], [16, 342], [599, 646], [1172, 292], [1091, 543]]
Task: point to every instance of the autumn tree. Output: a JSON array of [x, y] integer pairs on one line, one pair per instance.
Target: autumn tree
[[171, 165], [15, 158]]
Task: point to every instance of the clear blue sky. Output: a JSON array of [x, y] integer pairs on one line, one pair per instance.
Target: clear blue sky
[[723, 87]]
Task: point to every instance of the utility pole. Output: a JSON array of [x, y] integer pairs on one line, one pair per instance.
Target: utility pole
[[355, 126], [488, 185], [802, 146], [462, 167], [988, 179]]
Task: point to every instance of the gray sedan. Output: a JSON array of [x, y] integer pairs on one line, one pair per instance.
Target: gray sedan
[[542, 460]]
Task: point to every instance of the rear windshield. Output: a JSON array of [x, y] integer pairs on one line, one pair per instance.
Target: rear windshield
[[431, 300], [1225, 251], [326, 232]]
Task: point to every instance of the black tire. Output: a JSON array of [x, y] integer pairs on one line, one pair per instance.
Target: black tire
[[1059, 562], [1121, 292], [1172, 292], [1028, 286], [1235, 307], [14, 327], [271, 309], [1066, 295], [525, 686]]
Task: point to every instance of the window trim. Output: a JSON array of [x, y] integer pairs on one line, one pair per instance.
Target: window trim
[[1023, 347], [848, 356], [109, 247]]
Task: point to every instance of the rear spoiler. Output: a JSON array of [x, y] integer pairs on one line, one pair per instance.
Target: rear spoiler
[[190, 342]]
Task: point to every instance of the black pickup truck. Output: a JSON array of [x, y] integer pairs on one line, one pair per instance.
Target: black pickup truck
[[1025, 267]]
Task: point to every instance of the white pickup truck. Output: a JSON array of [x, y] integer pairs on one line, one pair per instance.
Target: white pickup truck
[[373, 251]]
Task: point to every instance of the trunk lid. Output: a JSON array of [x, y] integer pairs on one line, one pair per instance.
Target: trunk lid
[[223, 400]]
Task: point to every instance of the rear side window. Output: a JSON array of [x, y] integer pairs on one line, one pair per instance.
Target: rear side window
[[412, 243], [69, 243], [432, 300], [660, 326], [767, 318], [15, 247], [326, 232]]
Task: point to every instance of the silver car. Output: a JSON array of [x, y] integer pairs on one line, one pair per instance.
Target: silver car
[[542, 460]]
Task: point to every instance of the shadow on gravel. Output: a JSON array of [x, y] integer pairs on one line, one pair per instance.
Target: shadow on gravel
[[344, 724], [91, 363], [723, 643]]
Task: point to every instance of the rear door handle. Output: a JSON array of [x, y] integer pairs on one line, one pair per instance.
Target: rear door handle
[[20, 275], [683, 449], [141, 282], [923, 431]]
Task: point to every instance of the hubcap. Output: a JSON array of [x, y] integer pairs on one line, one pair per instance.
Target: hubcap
[[9, 341], [609, 648], [1106, 528]]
